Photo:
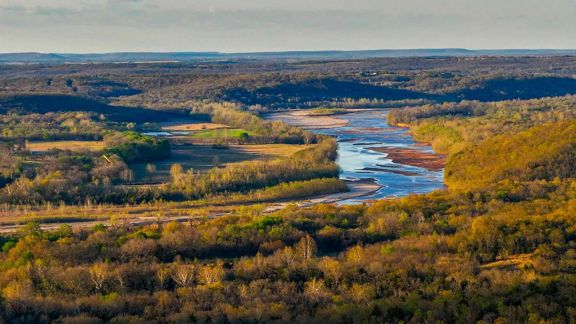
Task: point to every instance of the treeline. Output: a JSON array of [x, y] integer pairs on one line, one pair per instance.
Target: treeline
[[442, 257], [76, 178], [314, 162], [68, 177], [276, 84], [408, 116], [134, 147], [55, 126], [451, 127], [536, 110], [103, 177], [237, 116], [545, 152], [280, 192], [10, 166], [23, 103]]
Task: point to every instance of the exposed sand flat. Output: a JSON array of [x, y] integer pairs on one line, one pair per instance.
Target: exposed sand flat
[[405, 173], [361, 188], [407, 156], [357, 189], [301, 118]]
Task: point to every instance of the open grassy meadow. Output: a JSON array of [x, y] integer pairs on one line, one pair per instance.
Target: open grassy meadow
[[204, 157], [66, 145], [221, 133], [190, 127]]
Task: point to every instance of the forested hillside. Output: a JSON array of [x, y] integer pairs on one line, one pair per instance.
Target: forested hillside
[[497, 245], [544, 152], [467, 254], [301, 83]]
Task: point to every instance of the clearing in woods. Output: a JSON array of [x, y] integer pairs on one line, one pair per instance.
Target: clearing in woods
[[66, 145], [204, 157]]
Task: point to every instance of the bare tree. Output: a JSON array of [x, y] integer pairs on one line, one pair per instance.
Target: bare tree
[[162, 274], [183, 275], [150, 170], [306, 248], [211, 274], [99, 274]]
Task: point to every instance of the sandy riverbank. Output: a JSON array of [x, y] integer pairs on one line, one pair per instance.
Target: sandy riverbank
[[407, 156], [361, 188], [357, 189], [303, 119]]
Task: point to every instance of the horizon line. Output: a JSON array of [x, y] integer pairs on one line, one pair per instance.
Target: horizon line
[[289, 51]]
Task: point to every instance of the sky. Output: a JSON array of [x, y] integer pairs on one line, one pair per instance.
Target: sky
[[95, 26]]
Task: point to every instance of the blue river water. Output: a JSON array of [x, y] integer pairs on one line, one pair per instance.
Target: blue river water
[[369, 129]]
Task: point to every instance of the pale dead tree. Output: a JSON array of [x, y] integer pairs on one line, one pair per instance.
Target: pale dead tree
[[288, 255], [306, 248], [211, 274], [150, 170], [99, 274], [315, 289], [258, 260], [162, 274], [331, 268], [183, 275], [308, 137], [120, 278], [243, 291], [176, 174], [127, 175]]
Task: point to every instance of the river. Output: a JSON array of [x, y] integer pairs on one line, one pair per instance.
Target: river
[[371, 150]]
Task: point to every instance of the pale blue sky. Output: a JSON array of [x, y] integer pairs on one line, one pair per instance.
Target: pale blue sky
[[274, 25]]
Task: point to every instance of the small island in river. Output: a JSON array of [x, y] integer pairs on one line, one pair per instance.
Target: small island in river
[[417, 158]]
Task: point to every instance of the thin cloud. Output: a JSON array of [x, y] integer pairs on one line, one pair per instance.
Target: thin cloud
[[231, 25]]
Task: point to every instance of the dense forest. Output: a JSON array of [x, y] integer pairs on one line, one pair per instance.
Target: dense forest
[[498, 245], [454, 256], [303, 83]]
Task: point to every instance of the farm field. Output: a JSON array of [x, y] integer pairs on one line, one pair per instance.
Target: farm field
[[190, 127], [66, 145], [221, 133], [204, 157]]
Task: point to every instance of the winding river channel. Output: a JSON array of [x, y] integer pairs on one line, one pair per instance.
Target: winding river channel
[[370, 150]]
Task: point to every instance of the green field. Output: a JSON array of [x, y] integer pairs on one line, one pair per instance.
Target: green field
[[220, 133]]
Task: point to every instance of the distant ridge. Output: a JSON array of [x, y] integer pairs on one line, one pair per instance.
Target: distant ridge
[[133, 57]]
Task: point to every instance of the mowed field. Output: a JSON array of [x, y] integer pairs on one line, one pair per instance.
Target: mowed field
[[66, 145], [204, 157], [221, 133]]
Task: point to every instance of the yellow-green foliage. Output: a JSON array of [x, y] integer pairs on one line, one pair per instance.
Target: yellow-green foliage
[[542, 152], [440, 136], [324, 111], [450, 127]]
